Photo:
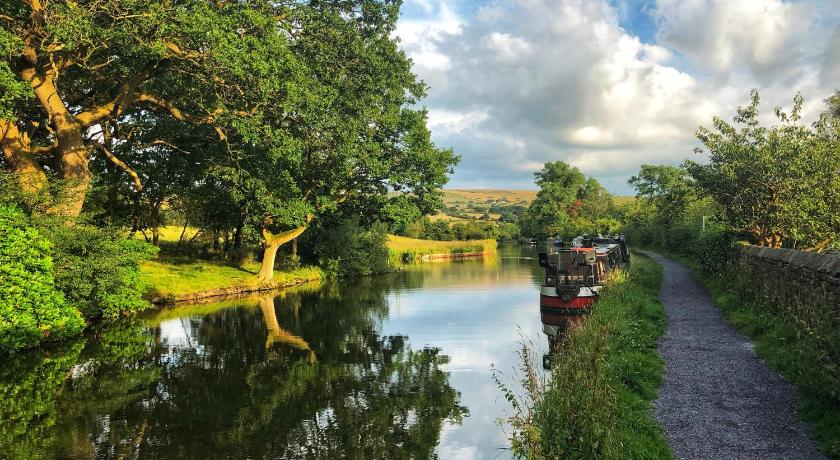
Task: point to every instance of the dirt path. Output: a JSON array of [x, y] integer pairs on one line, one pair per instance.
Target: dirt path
[[719, 400]]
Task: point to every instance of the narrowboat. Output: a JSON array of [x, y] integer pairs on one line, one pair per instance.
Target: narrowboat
[[574, 275]]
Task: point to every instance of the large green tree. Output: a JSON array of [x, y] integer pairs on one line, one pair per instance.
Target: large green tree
[[71, 66], [286, 109], [669, 188], [780, 184], [353, 139], [567, 202]]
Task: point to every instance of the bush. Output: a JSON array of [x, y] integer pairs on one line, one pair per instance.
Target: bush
[[32, 310], [713, 250], [99, 269], [345, 249]]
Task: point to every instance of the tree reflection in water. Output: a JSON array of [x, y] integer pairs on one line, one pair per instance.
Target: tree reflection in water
[[303, 375]]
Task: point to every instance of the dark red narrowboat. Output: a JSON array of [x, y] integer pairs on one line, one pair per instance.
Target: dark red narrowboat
[[574, 275]]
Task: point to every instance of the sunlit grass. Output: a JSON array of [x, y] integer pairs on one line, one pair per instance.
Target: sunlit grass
[[170, 234], [409, 249], [174, 277], [481, 196]]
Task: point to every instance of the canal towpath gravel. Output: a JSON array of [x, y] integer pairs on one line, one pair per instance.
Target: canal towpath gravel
[[718, 399]]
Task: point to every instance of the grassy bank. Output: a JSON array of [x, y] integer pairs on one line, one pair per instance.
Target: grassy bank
[[410, 249], [174, 277], [596, 402], [785, 345]]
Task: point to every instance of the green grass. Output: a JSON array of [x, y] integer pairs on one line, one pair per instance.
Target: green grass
[[596, 403], [622, 200], [410, 249], [169, 233], [178, 276], [798, 355]]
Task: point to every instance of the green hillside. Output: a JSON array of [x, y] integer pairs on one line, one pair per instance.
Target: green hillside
[[462, 204]]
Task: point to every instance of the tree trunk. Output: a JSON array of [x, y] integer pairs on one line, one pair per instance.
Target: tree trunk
[[272, 244], [72, 153], [16, 150], [155, 236], [237, 236], [294, 248], [74, 170]]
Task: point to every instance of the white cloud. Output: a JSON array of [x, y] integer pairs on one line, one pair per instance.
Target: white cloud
[[445, 122], [720, 34], [507, 48], [515, 84], [831, 59], [418, 35]]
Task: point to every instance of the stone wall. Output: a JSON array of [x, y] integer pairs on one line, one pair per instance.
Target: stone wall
[[805, 285]]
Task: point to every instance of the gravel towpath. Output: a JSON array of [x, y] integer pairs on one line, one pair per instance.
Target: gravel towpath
[[719, 400]]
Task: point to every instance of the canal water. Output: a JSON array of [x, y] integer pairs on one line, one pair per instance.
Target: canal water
[[387, 367]]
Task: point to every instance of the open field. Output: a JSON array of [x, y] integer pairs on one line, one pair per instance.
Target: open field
[[486, 196], [473, 203], [621, 200], [446, 217]]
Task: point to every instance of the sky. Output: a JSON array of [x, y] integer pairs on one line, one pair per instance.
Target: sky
[[607, 85]]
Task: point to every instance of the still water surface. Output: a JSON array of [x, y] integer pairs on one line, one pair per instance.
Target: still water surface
[[387, 367]]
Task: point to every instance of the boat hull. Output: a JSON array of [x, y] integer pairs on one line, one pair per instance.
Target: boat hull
[[556, 311]]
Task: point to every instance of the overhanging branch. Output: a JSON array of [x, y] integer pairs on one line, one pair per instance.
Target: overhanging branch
[[126, 96], [134, 177], [177, 113]]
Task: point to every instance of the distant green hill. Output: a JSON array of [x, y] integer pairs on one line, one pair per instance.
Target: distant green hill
[[464, 203]]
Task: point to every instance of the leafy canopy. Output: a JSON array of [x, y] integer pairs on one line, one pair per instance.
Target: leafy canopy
[[781, 184]]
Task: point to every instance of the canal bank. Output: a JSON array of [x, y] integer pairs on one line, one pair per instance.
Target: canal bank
[[174, 280], [596, 400]]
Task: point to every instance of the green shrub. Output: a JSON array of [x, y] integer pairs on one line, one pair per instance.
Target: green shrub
[[713, 250], [32, 310], [99, 269]]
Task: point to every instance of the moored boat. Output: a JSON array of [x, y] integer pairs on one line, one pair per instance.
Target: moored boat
[[574, 275]]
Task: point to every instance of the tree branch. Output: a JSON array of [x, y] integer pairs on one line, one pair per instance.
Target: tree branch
[[134, 177], [126, 96], [166, 143], [44, 148], [177, 113]]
